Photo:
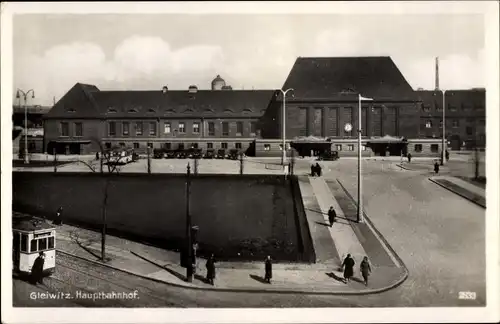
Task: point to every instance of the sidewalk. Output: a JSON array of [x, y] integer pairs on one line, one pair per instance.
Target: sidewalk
[[422, 166], [462, 188]]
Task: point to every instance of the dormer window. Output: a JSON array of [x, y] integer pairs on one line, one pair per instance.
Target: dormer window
[[111, 110], [71, 110], [133, 110], [188, 111], [228, 111], [169, 111], [208, 110], [150, 110], [247, 111]]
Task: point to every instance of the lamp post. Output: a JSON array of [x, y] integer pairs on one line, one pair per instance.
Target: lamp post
[[188, 260], [360, 197], [283, 157], [25, 95], [444, 129]]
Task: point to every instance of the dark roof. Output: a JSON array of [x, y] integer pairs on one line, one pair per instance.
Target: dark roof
[[329, 77], [78, 102], [175, 103], [29, 223], [467, 97]]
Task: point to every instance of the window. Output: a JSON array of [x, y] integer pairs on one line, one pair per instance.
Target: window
[[182, 127], [441, 123], [210, 145], [237, 145], [136, 146], [253, 128], [50, 243], [468, 130], [64, 129], [150, 145], [455, 123], [31, 146], [418, 147], [111, 110], [223, 145], [126, 128], [108, 145], [338, 147], [434, 148], [478, 107], [150, 110], [167, 128], [42, 244], [138, 128], [78, 129], [112, 128], [211, 129], [225, 129], [122, 144], [267, 147], [167, 146], [132, 111], [350, 147], [194, 145], [196, 128], [152, 129], [24, 243], [181, 146], [34, 245], [426, 108], [452, 108], [428, 124], [239, 128]]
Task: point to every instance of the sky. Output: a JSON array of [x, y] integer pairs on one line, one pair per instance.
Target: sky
[[147, 51]]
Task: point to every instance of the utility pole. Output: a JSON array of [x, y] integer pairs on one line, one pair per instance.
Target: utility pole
[[189, 261]]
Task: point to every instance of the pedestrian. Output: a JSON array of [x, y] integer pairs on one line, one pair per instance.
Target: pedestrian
[[97, 156], [447, 155], [269, 269], [318, 169], [58, 220], [409, 157], [436, 167], [211, 269], [37, 269], [313, 170], [331, 215], [365, 269], [348, 266]]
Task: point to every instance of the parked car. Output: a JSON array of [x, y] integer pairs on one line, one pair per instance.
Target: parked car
[[234, 154], [194, 153], [329, 156], [209, 154], [158, 153], [221, 154], [170, 154]]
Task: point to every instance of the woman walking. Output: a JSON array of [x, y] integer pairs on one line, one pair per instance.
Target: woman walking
[[211, 269], [348, 266], [365, 269], [269, 269]]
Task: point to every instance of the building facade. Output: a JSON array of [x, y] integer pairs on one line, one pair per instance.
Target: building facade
[[396, 120], [86, 119]]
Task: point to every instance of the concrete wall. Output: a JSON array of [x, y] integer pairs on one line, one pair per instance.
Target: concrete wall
[[234, 212]]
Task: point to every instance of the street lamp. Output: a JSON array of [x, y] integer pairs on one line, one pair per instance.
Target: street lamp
[[360, 208], [188, 256], [283, 157], [444, 128], [25, 95]]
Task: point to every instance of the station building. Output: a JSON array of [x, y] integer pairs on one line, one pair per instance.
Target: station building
[[397, 120]]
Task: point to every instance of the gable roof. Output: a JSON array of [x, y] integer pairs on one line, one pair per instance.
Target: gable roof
[[203, 103], [328, 77], [76, 103]]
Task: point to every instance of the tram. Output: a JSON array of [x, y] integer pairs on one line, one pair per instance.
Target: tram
[[30, 236]]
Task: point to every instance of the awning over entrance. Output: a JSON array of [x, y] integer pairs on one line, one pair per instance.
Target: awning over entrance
[[386, 139], [310, 139]]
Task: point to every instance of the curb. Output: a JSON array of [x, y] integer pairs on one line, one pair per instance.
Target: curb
[[242, 290], [463, 195], [384, 242]]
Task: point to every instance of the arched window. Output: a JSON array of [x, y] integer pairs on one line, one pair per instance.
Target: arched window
[[133, 110]]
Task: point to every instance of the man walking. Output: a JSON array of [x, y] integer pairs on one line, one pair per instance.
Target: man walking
[[409, 157], [331, 215], [37, 269], [365, 269], [269, 269], [211, 269], [58, 220], [436, 167]]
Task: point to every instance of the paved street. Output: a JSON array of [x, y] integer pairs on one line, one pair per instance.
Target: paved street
[[439, 235]]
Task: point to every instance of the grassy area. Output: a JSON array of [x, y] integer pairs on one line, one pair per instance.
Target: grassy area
[[480, 181]]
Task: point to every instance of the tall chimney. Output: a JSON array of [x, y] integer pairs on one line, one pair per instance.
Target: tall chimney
[[437, 73]]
